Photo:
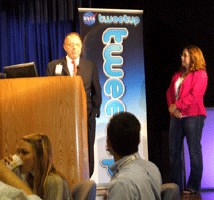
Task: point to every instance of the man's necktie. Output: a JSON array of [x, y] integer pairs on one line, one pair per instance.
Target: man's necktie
[[74, 68]]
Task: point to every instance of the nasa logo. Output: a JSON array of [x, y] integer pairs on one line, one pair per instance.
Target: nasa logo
[[89, 18]]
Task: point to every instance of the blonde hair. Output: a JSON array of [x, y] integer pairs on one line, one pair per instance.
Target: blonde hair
[[197, 61], [41, 146]]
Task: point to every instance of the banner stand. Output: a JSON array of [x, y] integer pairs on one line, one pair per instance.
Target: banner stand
[[113, 39]]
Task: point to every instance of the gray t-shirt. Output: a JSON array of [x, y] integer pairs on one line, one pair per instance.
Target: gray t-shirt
[[134, 178]]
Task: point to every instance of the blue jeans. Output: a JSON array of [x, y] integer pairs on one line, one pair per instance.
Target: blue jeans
[[191, 127]]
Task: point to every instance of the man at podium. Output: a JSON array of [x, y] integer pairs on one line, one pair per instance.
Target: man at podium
[[71, 65]]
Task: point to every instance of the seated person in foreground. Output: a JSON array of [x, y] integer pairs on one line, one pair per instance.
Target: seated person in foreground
[[133, 177], [12, 187], [38, 171]]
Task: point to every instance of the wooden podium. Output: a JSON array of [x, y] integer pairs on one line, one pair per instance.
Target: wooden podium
[[55, 106]]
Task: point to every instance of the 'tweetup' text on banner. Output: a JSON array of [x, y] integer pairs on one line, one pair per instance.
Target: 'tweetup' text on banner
[[113, 39]]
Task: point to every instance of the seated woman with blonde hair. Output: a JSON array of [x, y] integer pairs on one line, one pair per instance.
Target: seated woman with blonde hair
[[37, 170]]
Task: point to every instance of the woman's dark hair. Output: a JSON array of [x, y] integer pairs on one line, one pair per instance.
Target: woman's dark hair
[[197, 59]]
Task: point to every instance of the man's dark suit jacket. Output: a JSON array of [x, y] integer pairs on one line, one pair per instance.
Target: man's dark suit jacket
[[89, 73]]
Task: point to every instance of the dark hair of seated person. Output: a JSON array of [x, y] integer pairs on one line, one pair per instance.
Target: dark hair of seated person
[[123, 132]]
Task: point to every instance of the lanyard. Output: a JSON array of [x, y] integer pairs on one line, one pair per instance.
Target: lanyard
[[128, 160]]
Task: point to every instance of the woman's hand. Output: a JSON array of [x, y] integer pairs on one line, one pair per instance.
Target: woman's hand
[[7, 159], [172, 108], [177, 114], [175, 111], [8, 177]]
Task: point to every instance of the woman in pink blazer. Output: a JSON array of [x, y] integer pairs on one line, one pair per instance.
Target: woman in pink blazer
[[186, 106]]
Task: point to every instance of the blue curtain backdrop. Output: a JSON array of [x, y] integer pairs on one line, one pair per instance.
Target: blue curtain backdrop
[[34, 30]]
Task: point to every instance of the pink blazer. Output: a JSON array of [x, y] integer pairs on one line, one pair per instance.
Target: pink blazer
[[191, 94]]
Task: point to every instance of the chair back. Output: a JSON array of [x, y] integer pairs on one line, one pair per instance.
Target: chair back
[[170, 191], [84, 190]]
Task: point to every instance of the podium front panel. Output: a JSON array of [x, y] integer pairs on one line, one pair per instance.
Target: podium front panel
[[55, 106]]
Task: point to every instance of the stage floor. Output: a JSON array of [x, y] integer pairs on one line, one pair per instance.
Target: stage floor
[[205, 195]]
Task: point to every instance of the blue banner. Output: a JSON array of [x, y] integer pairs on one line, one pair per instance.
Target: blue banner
[[113, 39]]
